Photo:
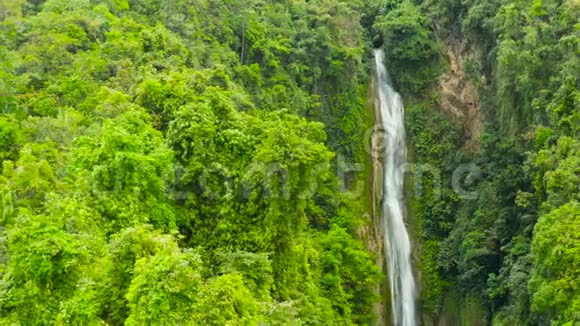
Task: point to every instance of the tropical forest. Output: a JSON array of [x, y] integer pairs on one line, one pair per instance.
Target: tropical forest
[[290, 162]]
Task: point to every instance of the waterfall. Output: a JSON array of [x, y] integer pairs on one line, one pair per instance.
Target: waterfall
[[396, 238]]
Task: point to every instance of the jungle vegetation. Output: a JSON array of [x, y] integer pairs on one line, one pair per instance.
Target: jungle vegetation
[[172, 162]]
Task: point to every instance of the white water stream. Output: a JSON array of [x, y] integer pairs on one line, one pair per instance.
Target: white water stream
[[396, 238]]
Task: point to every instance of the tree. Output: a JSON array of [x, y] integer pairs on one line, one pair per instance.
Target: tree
[[10, 135], [130, 168], [349, 276], [48, 278], [555, 285], [164, 288], [408, 42], [123, 252]]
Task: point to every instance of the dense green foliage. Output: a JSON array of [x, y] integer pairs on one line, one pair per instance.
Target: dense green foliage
[[409, 44], [171, 162], [175, 162]]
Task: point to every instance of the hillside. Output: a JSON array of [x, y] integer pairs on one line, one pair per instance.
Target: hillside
[[205, 162]]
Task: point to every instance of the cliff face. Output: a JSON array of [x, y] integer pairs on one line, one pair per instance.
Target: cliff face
[[458, 95], [460, 104], [444, 130], [490, 86]]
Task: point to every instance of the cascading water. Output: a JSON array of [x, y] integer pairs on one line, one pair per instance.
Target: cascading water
[[396, 238]]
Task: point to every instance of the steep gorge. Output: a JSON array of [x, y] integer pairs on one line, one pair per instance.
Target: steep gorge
[[491, 93], [203, 162]]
